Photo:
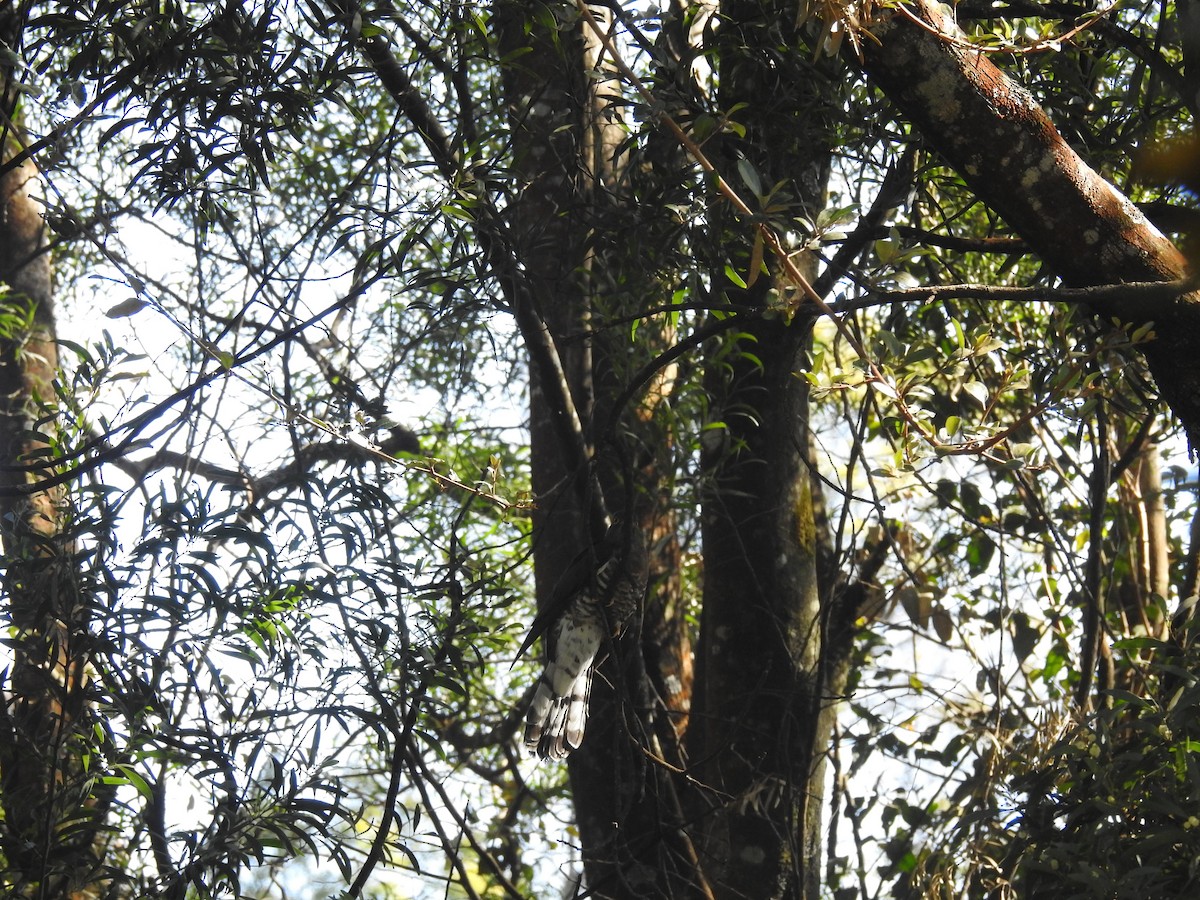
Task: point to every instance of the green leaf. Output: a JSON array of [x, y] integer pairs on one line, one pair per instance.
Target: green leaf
[[886, 389], [750, 176], [980, 550], [457, 212], [885, 249], [129, 775], [977, 391]]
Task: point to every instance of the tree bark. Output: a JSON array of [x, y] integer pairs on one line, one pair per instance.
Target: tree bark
[[994, 134], [759, 722], [49, 830], [564, 149], [761, 717]]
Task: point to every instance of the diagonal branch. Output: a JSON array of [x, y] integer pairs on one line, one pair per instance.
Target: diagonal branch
[[1005, 147]]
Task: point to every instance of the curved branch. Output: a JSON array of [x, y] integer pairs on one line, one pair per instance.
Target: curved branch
[[992, 131], [895, 184]]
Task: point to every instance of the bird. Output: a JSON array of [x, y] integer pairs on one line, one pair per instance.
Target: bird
[[590, 608]]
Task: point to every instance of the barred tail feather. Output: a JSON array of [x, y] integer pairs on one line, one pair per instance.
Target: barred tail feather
[[557, 716], [558, 713]]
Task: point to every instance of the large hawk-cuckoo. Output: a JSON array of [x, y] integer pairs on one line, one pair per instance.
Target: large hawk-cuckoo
[[595, 601]]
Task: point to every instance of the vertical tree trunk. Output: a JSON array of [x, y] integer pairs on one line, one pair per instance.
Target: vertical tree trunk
[[1138, 576], [563, 148], [758, 724], [48, 828], [544, 89], [761, 717]]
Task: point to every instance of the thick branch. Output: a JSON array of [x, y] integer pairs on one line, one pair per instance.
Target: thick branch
[[398, 440], [1005, 147]]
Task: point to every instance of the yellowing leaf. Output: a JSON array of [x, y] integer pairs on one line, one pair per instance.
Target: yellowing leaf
[[756, 260]]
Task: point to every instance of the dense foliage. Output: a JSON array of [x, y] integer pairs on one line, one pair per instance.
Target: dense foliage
[[313, 264]]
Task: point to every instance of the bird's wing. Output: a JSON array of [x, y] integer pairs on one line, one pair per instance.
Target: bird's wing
[[578, 575]]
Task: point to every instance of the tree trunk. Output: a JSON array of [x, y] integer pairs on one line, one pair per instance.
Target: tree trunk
[[564, 160], [761, 718], [759, 725], [49, 815]]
